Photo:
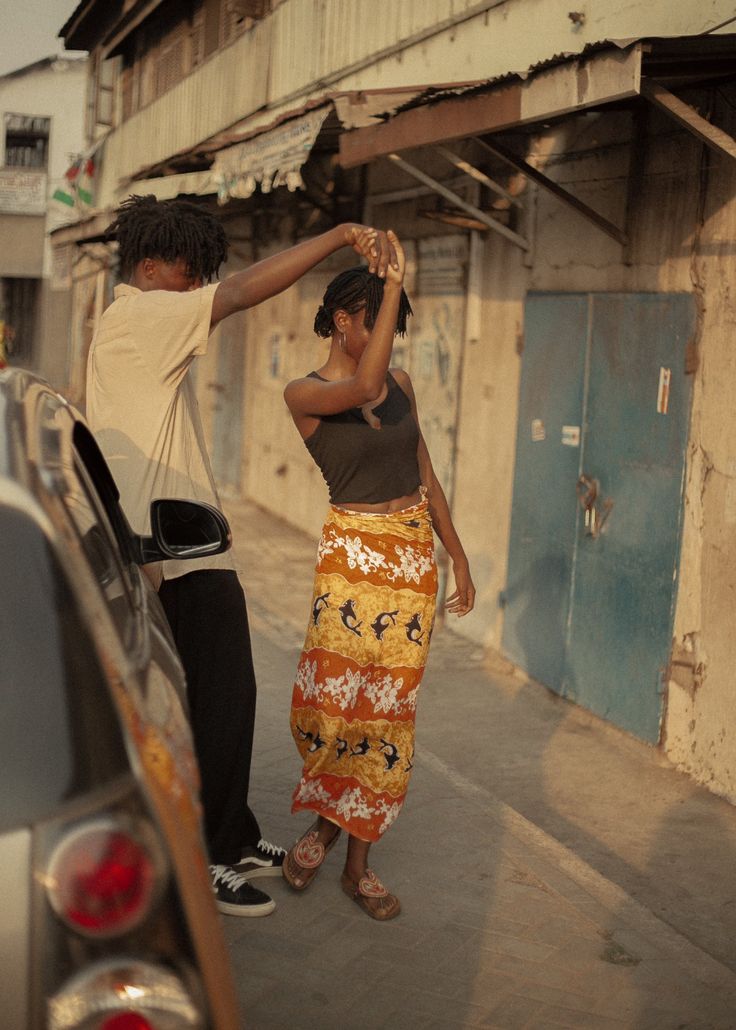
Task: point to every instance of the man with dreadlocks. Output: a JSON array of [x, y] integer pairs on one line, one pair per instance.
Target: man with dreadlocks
[[355, 694], [142, 407]]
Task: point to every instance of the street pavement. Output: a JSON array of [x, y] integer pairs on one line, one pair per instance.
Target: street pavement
[[553, 872]]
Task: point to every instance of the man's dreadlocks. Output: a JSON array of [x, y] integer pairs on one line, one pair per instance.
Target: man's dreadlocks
[[169, 230], [352, 290]]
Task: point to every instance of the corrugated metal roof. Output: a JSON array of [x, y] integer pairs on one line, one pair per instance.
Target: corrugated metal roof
[[664, 57], [353, 109], [663, 51]]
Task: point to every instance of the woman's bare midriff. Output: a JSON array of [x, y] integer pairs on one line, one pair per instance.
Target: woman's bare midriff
[[385, 507]]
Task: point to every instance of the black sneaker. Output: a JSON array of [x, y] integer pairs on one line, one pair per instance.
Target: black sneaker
[[261, 859], [234, 895]]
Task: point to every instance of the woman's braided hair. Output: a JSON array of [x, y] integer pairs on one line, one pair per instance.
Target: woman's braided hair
[[352, 290], [169, 230]]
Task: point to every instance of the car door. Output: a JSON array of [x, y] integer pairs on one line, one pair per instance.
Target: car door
[[144, 675]]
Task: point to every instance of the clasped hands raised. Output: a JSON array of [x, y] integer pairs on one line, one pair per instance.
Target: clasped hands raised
[[374, 245]]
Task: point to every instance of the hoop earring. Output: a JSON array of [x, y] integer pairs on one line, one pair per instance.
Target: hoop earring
[[341, 342]]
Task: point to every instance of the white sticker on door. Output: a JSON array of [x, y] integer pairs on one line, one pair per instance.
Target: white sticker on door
[[538, 432], [571, 436], [663, 393]]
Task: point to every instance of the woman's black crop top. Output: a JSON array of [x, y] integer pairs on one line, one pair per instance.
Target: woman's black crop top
[[362, 465]]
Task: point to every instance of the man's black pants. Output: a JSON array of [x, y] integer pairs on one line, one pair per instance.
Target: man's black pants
[[209, 621]]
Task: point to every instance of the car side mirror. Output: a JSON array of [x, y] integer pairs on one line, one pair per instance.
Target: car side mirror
[[183, 529]]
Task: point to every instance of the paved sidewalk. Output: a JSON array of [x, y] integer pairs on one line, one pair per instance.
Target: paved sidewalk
[[528, 858]]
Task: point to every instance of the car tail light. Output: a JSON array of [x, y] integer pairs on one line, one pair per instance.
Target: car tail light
[[104, 876], [127, 1021], [124, 994]]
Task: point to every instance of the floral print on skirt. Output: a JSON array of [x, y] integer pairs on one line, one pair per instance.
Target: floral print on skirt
[[355, 696]]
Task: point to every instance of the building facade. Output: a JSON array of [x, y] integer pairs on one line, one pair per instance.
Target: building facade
[[565, 184], [42, 109]]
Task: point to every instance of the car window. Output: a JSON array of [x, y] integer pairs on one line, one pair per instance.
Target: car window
[[87, 511], [59, 730]]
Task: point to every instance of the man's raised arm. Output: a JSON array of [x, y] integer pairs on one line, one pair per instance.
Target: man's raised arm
[[272, 275]]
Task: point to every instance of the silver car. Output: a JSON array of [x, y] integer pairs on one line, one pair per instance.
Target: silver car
[[108, 920]]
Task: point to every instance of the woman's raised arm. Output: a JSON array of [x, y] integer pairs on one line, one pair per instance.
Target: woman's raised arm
[[310, 396]]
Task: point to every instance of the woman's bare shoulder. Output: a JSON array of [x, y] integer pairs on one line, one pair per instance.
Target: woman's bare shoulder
[[296, 386], [402, 378]]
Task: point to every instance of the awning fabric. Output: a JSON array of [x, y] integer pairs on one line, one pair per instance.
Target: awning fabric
[[270, 159]]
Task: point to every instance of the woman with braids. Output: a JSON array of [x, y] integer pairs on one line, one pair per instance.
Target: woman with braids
[[142, 407], [354, 698]]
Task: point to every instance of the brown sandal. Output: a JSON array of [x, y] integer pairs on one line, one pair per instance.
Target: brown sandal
[[303, 860], [372, 896]]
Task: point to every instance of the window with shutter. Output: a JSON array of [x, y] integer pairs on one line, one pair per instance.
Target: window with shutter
[[196, 39], [147, 65], [127, 84], [107, 72], [170, 60], [26, 141]]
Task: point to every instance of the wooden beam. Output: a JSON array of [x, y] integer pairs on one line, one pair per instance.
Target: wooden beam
[[689, 118], [432, 123], [481, 216], [475, 173], [552, 187]]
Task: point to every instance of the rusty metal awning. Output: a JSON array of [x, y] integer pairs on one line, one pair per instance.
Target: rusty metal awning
[[603, 74], [571, 86]]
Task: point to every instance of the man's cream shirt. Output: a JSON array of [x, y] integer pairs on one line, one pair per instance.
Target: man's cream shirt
[[142, 407]]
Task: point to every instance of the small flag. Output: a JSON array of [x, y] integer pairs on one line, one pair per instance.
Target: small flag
[[76, 190]]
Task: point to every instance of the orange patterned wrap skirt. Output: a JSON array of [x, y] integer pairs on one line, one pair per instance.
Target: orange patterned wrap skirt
[[354, 702]]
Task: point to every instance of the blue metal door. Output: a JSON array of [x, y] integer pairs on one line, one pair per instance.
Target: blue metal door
[[616, 590], [544, 513]]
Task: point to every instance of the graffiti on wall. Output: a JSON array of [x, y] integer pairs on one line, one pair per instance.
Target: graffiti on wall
[[436, 344]]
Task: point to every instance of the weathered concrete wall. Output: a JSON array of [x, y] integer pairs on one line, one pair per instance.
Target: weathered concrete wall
[[23, 239], [90, 294], [487, 434], [700, 730], [54, 334], [683, 232]]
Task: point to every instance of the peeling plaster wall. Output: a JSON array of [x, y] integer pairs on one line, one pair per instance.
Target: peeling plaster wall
[[487, 435], [700, 727]]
